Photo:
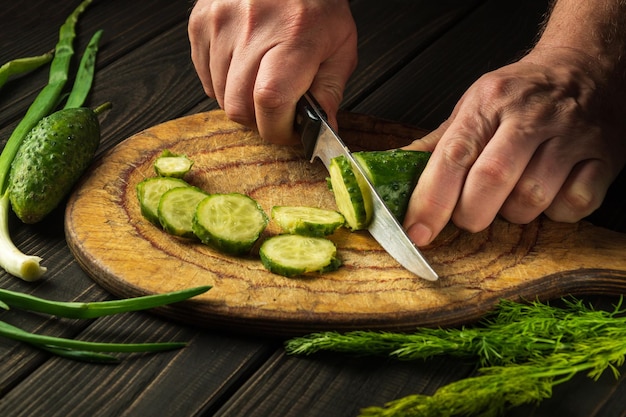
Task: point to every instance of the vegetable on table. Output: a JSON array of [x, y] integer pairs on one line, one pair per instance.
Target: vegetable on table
[[12, 260], [23, 65], [524, 351], [352, 197], [308, 221], [85, 74], [231, 223], [51, 159], [149, 193], [177, 208], [291, 255], [393, 174], [169, 164], [83, 350]]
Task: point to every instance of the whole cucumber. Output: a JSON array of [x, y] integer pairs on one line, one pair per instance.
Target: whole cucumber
[[53, 156]]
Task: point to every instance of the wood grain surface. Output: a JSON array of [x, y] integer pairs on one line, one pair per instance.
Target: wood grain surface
[[129, 256]]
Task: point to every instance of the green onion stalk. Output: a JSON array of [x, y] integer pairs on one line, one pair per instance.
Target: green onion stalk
[[85, 350], [12, 259]]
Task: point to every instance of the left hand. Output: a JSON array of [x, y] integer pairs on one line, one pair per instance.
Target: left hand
[[543, 135]]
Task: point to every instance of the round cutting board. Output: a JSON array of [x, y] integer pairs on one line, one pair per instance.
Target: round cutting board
[[129, 256]]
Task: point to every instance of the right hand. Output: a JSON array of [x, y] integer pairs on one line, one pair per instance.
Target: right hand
[[257, 58]]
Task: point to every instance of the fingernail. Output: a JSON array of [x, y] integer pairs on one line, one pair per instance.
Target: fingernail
[[420, 234]]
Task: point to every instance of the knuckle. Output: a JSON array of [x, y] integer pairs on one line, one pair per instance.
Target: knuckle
[[270, 99], [577, 203], [532, 194], [493, 173], [460, 153], [239, 114]]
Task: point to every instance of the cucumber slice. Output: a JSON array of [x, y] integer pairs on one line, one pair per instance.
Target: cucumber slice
[[231, 223], [394, 174], [292, 255], [177, 208], [169, 164], [308, 221], [149, 192], [351, 196]]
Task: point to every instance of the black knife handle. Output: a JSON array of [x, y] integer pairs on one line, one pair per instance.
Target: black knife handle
[[308, 122]]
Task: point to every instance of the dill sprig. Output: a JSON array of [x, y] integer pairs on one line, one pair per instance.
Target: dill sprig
[[524, 350]]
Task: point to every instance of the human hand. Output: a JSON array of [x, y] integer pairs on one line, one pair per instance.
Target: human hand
[[540, 135], [257, 58]]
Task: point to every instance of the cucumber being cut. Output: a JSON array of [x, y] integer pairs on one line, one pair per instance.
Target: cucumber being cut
[[352, 198], [394, 174], [308, 221], [149, 192], [169, 164], [231, 223], [292, 255], [177, 208]]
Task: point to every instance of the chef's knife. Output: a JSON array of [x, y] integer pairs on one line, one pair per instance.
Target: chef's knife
[[321, 141]]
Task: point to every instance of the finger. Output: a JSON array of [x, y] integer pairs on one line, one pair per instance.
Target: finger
[[439, 187], [494, 175], [200, 51], [582, 193], [239, 80], [542, 179], [331, 78]]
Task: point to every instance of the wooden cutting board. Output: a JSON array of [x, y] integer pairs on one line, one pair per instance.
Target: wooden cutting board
[[128, 256]]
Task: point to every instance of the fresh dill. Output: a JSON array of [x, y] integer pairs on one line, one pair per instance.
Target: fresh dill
[[524, 350]]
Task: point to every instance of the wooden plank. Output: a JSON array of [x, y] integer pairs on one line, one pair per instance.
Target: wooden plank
[[388, 40], [177, 383], [424, 92], [336, 385], [126, 25]]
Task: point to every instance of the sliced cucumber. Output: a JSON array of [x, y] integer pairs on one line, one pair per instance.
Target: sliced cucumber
[[308, 221], [231, 223], [149, 192], [394, 174], [352, 197], [177, 208], [169, 164], [292, 255]]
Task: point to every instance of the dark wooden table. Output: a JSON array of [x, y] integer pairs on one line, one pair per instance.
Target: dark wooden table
[[416, 59]]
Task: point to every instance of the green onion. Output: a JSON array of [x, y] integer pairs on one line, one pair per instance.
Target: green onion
[[23, 65], [16, 333], [84, 76], [90, 310], [80, 355], [81, 350], [47, 97], [12, 259]]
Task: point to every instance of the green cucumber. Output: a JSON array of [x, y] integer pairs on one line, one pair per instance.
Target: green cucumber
[[49, 162], [231, 223], [292, 255], [149, 193], [169, 164], [352, 198], [177, 208], [394, 174], [308, 221]]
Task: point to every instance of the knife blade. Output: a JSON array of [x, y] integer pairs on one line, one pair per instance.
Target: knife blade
[[321, 141]]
